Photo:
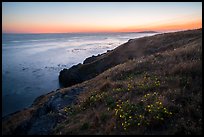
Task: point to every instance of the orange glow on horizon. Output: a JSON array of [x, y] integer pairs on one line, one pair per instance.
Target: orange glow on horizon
[[93, 29]]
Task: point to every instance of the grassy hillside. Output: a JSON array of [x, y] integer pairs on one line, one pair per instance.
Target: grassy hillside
[[156, 94], [156, 91]]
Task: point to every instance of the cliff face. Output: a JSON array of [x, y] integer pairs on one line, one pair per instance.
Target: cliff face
[[95, 65], [156, 88]]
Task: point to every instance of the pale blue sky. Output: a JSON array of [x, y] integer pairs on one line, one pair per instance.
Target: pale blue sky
[[99, 14]]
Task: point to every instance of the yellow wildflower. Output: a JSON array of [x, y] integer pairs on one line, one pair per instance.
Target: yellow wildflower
[[145, 96], [116, 112]]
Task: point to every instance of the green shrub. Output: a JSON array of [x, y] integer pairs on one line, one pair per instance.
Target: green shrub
[[110, 102]]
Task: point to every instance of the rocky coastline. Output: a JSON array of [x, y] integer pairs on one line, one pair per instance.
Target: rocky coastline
[[48, 111]]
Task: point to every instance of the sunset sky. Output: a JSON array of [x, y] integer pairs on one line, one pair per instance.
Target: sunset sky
[[66, 17]]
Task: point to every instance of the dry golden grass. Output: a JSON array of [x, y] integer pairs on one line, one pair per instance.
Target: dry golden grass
[[174, 75]]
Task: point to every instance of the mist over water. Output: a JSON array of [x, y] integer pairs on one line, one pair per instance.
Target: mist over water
[[31, 62]]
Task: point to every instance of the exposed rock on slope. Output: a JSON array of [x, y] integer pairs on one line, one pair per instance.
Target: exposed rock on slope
[[42, 116]]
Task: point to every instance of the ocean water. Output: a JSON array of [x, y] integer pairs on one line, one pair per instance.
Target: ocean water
[[31, 62]]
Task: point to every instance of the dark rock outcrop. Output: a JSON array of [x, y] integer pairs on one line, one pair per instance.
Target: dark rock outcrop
[[73, 78], [45, 117], [90, 59]]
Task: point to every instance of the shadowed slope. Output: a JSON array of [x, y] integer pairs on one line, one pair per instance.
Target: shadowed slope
[[132, 49]]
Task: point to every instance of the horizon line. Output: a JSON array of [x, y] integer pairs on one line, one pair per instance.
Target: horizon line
[[101, 32]]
